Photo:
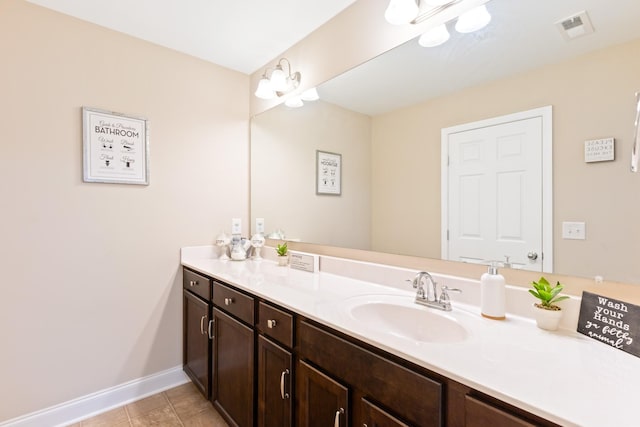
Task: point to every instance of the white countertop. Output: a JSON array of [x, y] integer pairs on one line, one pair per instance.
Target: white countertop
[[561, 376]]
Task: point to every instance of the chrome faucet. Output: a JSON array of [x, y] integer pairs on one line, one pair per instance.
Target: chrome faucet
[[430, 298]]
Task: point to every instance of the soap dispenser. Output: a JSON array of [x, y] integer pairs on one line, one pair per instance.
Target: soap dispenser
[[492, 294]]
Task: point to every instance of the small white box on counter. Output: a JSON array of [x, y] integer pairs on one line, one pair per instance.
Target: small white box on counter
[[304, 261]]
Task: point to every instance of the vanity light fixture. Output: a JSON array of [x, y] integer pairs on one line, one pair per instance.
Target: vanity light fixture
[[279, 83], [296, 101], [472, 15]]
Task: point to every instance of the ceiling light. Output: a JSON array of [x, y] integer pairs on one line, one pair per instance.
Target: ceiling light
[[473, 20], [279, 83], [310, 95], [294, 102], [264, 90], [434, 37], [401, 11]]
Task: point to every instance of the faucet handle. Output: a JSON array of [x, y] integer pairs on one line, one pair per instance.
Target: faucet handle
[[444, 294]]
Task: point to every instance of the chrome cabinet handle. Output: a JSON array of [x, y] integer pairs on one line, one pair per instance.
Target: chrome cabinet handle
[[336, 422], [271, 323], [210, 329], [202, 324], [228, 301], [282, 393], [193, 283]]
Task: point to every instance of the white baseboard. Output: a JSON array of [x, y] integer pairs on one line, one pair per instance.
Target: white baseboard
[[92, 404]]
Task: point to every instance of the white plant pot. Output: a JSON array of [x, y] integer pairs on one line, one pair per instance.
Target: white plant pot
[[283, 260], [547, 319]]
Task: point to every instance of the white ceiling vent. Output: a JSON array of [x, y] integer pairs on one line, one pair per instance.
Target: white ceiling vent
[[576, 25]]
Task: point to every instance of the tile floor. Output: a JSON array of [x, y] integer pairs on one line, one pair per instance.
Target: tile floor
[[182, 406]]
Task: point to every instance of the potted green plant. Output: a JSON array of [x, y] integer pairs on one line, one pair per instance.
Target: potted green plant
[[546, 312], [283, 253]]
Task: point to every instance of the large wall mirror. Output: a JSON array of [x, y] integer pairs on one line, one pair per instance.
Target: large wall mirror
[[385, 119]]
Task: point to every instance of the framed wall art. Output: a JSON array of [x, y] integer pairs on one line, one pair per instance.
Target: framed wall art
[[328, 173], [116, 147]]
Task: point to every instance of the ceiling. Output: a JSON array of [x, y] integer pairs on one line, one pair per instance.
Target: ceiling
[[242, 35]]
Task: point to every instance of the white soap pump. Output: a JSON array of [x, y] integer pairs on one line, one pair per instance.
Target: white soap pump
[[492, 294]]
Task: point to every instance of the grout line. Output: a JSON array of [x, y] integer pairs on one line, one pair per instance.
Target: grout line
[[172, 408]]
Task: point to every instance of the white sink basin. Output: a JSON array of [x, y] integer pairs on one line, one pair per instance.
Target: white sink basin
[[400, 316]]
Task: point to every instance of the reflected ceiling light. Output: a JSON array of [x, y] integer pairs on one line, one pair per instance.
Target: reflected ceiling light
[[294, 102], [434, 37], [401, 11], [473, 20], [279, 83], [310, 95]]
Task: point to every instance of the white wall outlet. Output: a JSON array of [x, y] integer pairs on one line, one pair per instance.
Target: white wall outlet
[[236, 226], [573, 230], [259, 225]]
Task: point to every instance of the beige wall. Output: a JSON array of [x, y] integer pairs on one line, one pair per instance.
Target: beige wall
[[592, 97], [91, 292], [283, 167]]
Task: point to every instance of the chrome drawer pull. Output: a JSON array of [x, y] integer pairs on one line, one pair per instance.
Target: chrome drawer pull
[[336, 422], [193, 283], [228, 301], [202, 324], [210, 329], [271, 324], [282, 393]]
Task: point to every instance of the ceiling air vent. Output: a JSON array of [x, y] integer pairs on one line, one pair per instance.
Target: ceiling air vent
[[575, 26]]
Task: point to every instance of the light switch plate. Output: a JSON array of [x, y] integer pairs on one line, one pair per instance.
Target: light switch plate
[[573, 230], [259, 225], [236, 226]]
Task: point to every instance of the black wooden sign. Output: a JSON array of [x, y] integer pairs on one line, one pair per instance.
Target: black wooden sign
[[610, 321]]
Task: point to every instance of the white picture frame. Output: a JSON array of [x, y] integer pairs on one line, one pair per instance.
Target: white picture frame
[[328, 173], [115, 147]]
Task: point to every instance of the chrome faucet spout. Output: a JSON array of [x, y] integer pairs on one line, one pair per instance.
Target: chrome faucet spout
[[430, 297]]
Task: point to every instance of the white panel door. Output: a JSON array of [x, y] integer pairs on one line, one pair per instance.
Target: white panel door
[[495, 194]]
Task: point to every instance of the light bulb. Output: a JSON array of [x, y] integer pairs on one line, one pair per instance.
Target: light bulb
[[310, 95], [401, 11], [294, 102], [264, 90], [434, 37], [473, 20], [279, 80]]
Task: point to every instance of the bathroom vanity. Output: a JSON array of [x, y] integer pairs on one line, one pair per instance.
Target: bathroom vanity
[[273, 346]]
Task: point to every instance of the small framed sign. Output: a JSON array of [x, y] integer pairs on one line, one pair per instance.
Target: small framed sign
[[599, 150], [613, 322], [328, 173], [116, 147]]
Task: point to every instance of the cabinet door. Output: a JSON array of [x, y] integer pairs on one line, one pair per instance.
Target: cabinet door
[[377, 417], [232, 369], [321, 401], [196, 347], [481, 414], [274, 384]]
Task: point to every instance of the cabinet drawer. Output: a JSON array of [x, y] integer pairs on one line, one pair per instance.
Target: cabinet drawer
[[233, 302], [479, 414], [196, 283], [417, 399], [276, 324]]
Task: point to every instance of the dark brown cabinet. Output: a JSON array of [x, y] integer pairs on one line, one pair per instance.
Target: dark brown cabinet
[[275, 368], [481, 414], [232, 361], [373, 416], [321, 400], [196, 313], [264, 366]]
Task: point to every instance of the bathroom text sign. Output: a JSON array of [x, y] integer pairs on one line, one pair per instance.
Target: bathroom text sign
[[610, 321]]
